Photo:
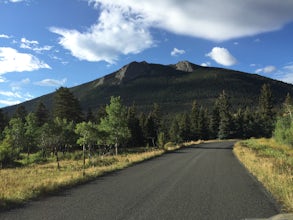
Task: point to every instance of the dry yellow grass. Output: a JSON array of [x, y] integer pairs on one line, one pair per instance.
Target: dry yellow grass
[[20, 184], [272, 165]]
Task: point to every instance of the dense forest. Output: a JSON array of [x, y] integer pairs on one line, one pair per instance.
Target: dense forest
[[65, 128]]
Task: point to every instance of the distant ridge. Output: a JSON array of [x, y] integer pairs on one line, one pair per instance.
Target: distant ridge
[[173, 87]]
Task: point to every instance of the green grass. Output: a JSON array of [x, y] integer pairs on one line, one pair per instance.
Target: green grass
[[272, 164]]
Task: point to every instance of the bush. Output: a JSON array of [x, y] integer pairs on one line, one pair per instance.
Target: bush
[[7, 154], [161, 140], [284, 131]]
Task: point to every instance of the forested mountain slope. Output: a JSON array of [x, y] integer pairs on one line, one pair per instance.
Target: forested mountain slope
[[173, 87]]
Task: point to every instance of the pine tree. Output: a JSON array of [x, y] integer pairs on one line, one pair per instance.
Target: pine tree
[[214, 122], [90, 116], [3, 124], [155, 114], [134, 127], [225, 126], [20, 112], [174, 132], [66, 105], [184, 127], [194, 117], [265, 111], [42, 114], [203, 126]]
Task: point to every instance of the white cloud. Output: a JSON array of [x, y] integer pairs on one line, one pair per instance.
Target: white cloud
[[51, 82], [209, 19], [15, 96], [4, 36], [2, 79], [114, 34], [17, 86], [176, 52], [9, 102], [33, 45], [10, 94], [205, 64], [13, 61], [16, 1], [267, 69], [286, 74], [222, 56]]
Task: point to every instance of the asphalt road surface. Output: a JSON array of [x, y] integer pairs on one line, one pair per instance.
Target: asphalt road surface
[[201, 182]]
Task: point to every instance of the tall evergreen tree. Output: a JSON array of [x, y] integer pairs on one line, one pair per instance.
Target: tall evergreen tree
[[265, 111], [194, 119], [42, 114], [184, 127], [20, 112], [174, 131], [225, 126], [203, 125], [134, 127], [151, 132], [156, 117], [90, 116], [214, 122], [3, 123], [66, 106]]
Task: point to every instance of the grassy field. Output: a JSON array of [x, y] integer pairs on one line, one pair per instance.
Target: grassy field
[[272, 164], [34, 180]]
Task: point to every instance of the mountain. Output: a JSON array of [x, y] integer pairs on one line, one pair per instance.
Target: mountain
[[173, 87]]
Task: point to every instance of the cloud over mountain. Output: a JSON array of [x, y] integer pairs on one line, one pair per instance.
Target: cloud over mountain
[[114, 34], [222, 56], [209, 19]]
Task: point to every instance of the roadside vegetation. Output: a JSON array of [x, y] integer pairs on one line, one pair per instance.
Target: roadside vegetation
[[272, 164], [271, 160], [43, 151], [23, 183]]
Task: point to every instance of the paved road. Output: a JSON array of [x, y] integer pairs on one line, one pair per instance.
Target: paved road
[[201, 182]]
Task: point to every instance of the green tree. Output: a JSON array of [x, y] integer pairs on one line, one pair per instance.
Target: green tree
[[134, 128], [115, 123], [184, 127], [194, 116], [151, 130], [66, 105], [20, 112], [90, 116], [174, 133], [225, 125], [214, 122], [42, 114], [31, 132], [203, 124], [88, 136], [265, 111], [283, 132], [3, 124], [14, 140]]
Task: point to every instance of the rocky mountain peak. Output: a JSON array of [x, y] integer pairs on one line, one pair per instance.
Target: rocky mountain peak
[[186, 66], [132, 70]]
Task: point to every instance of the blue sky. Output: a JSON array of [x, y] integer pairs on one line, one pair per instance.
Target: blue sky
[[45, 44]]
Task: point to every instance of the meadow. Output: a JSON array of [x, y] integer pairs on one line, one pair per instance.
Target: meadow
[[272, 164], [32, 180]]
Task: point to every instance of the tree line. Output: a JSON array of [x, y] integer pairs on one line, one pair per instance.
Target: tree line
[[115, 125]]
